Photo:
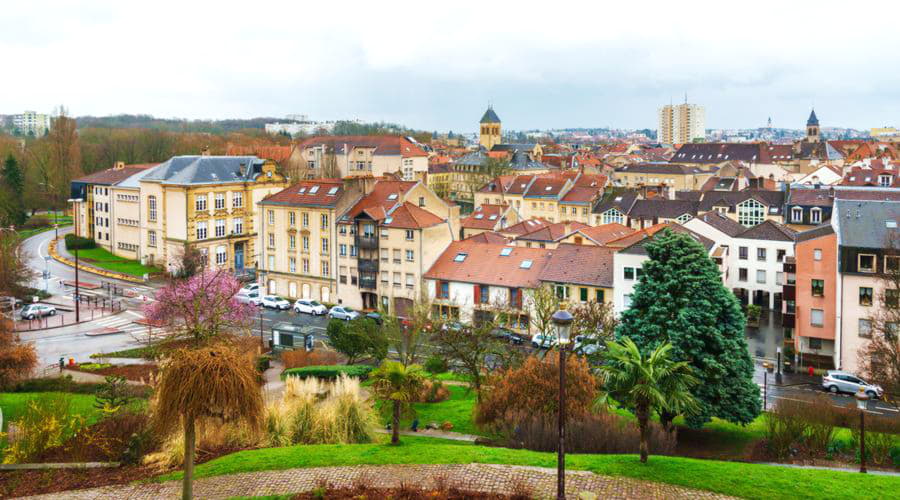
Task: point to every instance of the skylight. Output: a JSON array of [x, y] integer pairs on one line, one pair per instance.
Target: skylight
[[479, 216], [493, 217], [303, 190], [314, 190], [506, 251], [392, 196], [618, 198], [388, 220], [460, 257], [890, 223], [773, 210], [548, 188], [332, 191], [526, 264]]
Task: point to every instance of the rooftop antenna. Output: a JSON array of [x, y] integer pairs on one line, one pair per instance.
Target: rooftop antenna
[[685, 97]]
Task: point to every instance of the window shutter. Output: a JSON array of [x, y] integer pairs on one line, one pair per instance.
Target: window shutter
[[477, 294]]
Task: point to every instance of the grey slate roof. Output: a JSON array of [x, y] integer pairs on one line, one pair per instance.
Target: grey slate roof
[[662, 168], [722, 223], [134, 182], [490, 116], [662, 208], [518, 162], [639, 247], [772, 199], [865, 223], [623, 201], [186, 170], [816, 232], [768, 230], [813, 119]]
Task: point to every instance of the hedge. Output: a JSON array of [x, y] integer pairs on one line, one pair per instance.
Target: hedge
[[329, 372], [74, 242]]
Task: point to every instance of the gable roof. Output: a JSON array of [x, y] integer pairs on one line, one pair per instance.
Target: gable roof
[[526, 226], [772, 199], [661, 168], [638, 247], [486, 216], [768, 230], [816, 232], [713, 152], [662, 208], [311, 193], [622, 200], [553, 232], [580, 265], [605, 232], [722, 223], [488, 237], [409, 216], [810, 197], [201, 169], [382, 145], [484, 264], [490, 116], [112, 176], [378, 202]]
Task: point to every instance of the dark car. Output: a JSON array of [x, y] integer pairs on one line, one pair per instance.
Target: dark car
[[376, 317], [507, 335]]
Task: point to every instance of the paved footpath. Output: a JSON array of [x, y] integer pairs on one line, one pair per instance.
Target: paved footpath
[[534, 481]]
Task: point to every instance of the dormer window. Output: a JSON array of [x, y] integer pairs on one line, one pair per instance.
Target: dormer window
[[815, 216], [797, 214], [884, 180]]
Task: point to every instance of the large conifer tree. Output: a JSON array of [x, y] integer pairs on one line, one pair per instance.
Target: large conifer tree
[[681, 299]]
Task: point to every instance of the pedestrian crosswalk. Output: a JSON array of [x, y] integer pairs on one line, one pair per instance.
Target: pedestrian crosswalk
[[126, 324]]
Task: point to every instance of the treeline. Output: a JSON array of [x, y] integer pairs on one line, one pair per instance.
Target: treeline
[[174, 124]]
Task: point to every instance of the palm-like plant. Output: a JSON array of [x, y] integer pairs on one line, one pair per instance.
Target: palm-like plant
[[645, 384], [400, 385], [215, 381]]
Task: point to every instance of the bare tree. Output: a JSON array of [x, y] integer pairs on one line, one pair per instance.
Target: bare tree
[[470, 349], [542, 302], [407, 335], [880, 357]]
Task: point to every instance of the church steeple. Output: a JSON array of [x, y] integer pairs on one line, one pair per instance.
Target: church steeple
[[489, 133], [812, 127]]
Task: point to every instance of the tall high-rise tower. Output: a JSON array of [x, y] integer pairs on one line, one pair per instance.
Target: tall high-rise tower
[[489, 134], [681, 123]]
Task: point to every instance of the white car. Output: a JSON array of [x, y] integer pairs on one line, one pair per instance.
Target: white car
[[250, 287], [307, 306], [543, 341], [343, 312], [246, 297], [275, 302], [32, 311]]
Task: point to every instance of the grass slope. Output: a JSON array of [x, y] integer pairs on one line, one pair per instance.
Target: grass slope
[[730, 478], [457, 409], [100, 257]]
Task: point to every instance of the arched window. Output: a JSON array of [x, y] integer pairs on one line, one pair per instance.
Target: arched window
[[751, 212], [612, 216], [815, 215]]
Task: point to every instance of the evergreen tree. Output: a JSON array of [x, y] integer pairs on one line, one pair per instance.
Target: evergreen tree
[[681, 299], [14, 181]]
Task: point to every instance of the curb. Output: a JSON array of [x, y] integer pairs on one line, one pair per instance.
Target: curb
[[70, 324], [81, 267]]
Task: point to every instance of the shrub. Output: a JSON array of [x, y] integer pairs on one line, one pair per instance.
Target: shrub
[[37, 222], [300, 358], [263, 363], [92, 367], [435, 365], [786, 426], [46, 423], [597, 433], [532, 390], [434, 391], [75, 242], [878, 447], [329, 372]]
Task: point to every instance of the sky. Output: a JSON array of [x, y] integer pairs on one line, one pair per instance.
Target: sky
[[437, 65]]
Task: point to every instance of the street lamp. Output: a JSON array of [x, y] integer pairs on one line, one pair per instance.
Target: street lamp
[[77, 291], [862, 401], [562, 320]]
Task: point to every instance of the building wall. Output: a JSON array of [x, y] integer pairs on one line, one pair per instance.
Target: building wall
[[489, 135], [675, 181], [575, 213], [623, 288], [771, 266], [126, 215], [100, 212], [808, 268], [313, 273], [851, 341]]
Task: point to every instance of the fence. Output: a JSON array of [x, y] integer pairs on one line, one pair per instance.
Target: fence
[[93, 307]]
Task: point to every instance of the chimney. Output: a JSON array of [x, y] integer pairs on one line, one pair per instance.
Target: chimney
[[205, 151], [119, 165]]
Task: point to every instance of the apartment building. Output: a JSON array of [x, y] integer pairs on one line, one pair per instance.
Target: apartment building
[[811, 290], [681, 123], [580, 273], [32, 123], [364, 156], [209, 203], [558, 196], [298, 234], [387, 240], [670, 175], [488, 217]]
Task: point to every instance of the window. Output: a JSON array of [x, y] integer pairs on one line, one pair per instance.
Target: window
[[612, 216], [761, 277], [410, 235], [410, 281], [238, 225], [421, 201], [410, 256], [304, 240], [742, 253], [342, 249], [292, 242], [443, 290], [742, 274], [818, 288], [343, 275], [271, 268], [627, 300], [385, 233], [460, 257], [891, 298], [750, 212], [600, 296], [815, 344], [884, 180], [221, 255], [816, 317], [237, 199], [891, 263], [324, 221], [817, 254], [151, 238], [815, 216], [220, 228], [305, 264], [761, 254], [484, 294], [343, 229], [779, 255], [292, 219], [629, 273], [271, 240], [865, 296], [779, 278], [583, 294], [200, 203], [201, 230], [305, 218], [151, 208], [681, 219], [396, 256], [865, 328], [353, 250], [866, 263], [324, 246], [562, 292], [271, 217], [326, 271], [797, 214], [220, 201]]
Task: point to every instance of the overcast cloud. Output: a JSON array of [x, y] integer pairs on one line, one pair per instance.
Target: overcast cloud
[[436, 65]]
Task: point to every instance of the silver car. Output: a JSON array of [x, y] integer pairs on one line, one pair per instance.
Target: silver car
[[836, 381], [32, 311]]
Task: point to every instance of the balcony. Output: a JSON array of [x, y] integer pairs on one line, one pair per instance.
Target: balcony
[[368, 265], [368, 281], [787, 320], [366, 242]]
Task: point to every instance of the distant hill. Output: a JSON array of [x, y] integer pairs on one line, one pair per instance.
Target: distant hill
[[173, 124]]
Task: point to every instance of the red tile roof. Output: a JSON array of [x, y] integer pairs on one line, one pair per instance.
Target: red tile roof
[[384, 145], [489, 237], [487, 216], [553, 232], [580, 265], [484, 264], [380, 200], [606, 232], [859, 176], [526, 226], [315, 193], [409, 216], [114, 175], [546, 186], [583, 195]]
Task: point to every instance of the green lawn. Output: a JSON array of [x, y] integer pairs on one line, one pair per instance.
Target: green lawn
[[14, 404], [100, 257], [449, 376], [146, 352], [457, 410], [28, 233], [730, 478]]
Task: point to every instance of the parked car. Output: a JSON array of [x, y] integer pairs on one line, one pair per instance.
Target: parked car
[[307, 306], [836, 381], [343, 312], [376, 317], [275, 302], [543, 341], [32, 311], [586, 346], [248, 297], [507, 335], [250, 287], [452, 326]]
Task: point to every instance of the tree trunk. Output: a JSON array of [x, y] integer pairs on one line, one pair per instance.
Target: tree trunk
[[187, 490], [395, 428], [642, 416], [667, 420]]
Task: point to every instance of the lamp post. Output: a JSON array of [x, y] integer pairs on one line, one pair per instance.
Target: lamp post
[[77, 295], [862, 400], [562, 320]]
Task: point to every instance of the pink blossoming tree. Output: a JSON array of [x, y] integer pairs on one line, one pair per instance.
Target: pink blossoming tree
[[201, 307]]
